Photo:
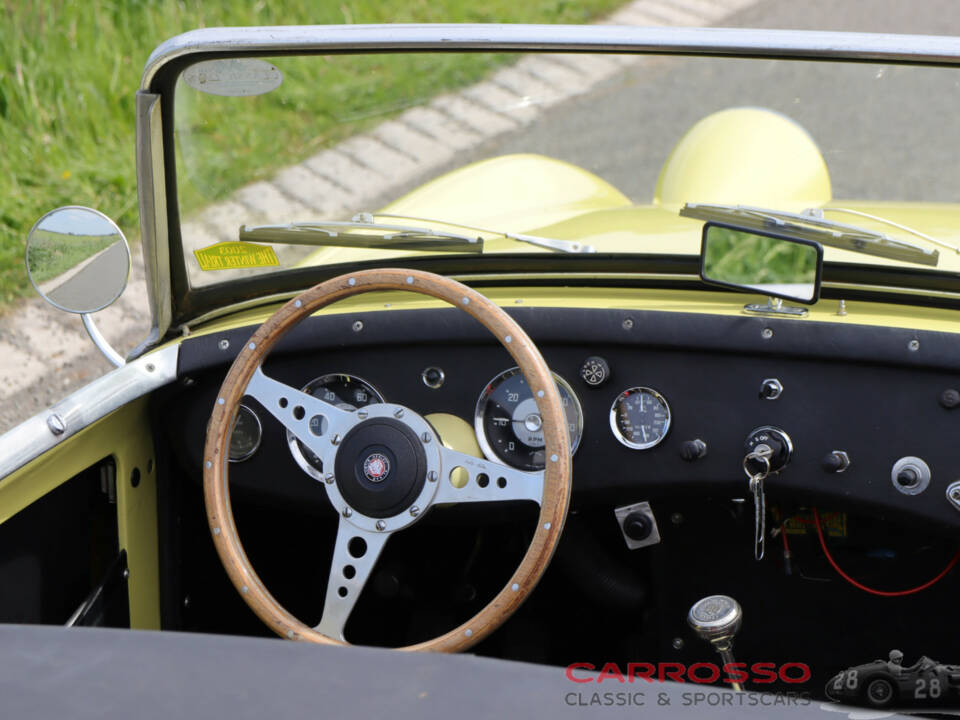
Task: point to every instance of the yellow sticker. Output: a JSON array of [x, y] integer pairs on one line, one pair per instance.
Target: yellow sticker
[[235, 255]]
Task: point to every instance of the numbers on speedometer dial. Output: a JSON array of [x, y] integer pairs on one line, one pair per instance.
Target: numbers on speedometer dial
[[347, 392], [640, 418], [508, 424]]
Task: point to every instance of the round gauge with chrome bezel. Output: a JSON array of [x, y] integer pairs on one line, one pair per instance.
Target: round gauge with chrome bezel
[[347, 392], [640, 418], [508, 424], [245, 436]]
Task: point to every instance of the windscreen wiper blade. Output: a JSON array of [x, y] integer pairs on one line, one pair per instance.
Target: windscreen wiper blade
[[812, 227], [362, 235], [555, 244]]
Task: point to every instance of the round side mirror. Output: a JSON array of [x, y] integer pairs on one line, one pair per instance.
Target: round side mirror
[[77, 259]]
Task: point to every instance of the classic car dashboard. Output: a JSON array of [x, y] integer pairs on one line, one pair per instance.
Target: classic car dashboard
[[657, 403], [666, 401]]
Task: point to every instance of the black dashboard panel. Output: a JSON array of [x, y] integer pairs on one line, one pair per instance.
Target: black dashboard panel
[[869, 391]]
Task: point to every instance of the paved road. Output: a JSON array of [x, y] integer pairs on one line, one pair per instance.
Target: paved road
[[644, 108], [873, 124], [90, 287]]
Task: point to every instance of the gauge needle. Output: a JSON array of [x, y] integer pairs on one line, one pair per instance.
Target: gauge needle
[[643, 429]]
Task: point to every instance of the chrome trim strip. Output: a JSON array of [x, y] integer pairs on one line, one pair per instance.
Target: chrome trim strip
[[786, 44], [49, 428], [153, 217], [923, 293], [524, 277]]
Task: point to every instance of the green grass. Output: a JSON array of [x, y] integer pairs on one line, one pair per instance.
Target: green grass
[[320, 102], [746, 259], [69, 71]]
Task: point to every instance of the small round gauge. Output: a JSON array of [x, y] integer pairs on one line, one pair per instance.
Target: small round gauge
[[245, 436], [508, 425], [347, 392], [640, 418]]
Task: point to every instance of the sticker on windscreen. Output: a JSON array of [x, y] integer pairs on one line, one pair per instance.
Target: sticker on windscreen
[[233, 77], [235, 255]]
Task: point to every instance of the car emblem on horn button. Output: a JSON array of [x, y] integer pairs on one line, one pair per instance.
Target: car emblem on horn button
[[376, 467]]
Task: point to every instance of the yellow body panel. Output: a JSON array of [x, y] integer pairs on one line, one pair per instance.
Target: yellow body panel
[[780, 168], [126, 435], [745, 156], [455, 433], [510, 193]]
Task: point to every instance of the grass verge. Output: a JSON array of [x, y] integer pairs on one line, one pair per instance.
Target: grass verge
[[69, 71]]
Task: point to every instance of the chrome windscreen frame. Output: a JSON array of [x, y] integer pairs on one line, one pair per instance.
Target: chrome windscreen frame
[[155, 220]]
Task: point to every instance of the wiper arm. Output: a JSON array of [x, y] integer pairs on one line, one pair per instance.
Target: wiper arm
[[812, 227], [362, 235], [555, 244]]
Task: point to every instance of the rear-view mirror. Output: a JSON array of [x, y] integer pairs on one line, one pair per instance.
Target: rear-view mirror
[[753, 261]]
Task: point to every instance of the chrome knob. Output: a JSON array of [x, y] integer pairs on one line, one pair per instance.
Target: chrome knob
[[717, 619]]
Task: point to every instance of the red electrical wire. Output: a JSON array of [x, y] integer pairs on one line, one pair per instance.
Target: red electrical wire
[[882, 593]]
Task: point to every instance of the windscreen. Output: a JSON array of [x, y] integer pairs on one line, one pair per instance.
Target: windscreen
[[291, 162]]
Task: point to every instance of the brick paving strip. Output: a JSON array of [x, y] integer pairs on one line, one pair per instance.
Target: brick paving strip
[[45, 354]]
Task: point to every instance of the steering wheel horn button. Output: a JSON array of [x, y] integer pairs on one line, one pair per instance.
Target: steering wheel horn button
[[381, 467], [376, 467]]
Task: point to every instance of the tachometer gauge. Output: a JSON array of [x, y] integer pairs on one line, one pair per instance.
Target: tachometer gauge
[[508, 424], [640, 418], [245, 436], [347, 392]]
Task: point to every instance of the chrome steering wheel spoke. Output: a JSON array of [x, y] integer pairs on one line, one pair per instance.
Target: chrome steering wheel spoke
[[354, 556], [465, 478], [316, 423]]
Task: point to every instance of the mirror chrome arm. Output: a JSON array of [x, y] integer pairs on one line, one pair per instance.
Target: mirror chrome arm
[[103, 345]]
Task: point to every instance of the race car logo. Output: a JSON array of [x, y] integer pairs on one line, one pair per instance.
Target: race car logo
[[376, 467], [891, 684]]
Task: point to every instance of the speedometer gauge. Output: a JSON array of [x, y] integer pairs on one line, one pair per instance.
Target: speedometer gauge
[[640, 418], [508, 424], [347, 392]]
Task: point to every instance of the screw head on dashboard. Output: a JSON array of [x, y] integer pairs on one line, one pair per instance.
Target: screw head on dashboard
[[950, 398]]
